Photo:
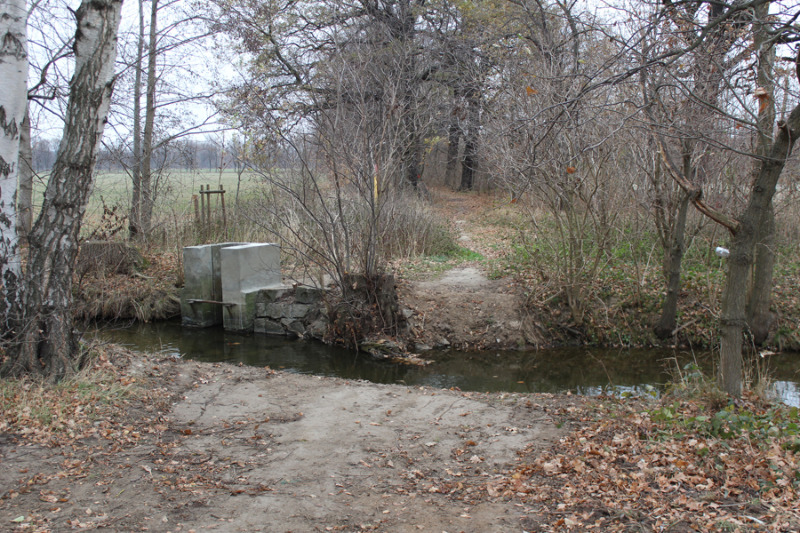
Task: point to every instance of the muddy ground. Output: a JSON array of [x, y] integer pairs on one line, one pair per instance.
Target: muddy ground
[[211, 447], [243, 449], [215, 447], [465, 308]]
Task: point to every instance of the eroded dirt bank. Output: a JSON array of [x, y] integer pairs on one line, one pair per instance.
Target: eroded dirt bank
[[464, 310], [243, 449], [150, 444]]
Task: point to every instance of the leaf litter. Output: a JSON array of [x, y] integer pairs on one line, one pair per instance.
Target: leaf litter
[[109, 451]]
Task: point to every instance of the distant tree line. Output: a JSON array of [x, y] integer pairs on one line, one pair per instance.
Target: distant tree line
[[179, 155], [650, 117]]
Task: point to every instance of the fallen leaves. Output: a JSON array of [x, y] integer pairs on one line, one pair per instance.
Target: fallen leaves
[[81, 407], [624, 468]]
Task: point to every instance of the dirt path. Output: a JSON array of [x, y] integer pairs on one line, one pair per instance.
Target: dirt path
[[244, 449], [463, 308], [216, 447], [204, 447]]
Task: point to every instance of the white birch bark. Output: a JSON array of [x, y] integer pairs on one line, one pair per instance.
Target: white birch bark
[[45, 342], [13, 99]]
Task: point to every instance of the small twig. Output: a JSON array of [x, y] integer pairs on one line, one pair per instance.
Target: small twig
[[683, 326]]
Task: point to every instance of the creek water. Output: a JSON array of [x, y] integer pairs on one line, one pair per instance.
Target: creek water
[[577, 370]]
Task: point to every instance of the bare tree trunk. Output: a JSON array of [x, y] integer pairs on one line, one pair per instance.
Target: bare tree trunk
[[135, 227], [45, 343], [470, 161], [25, 192], [453, 139], [469, 164], [13, 100], [668, 319], [759, 317], [412, 153], [402, 27], [149, 119], [733, 315]]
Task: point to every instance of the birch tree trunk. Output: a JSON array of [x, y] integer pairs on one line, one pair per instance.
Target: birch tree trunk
[[13, 101], [25, 190], [44, 342]]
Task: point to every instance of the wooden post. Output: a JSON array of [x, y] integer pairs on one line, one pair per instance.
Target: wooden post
[[224, 218], [202, 204], [202, 214], [197, 223], [196, 210], [208, 207]]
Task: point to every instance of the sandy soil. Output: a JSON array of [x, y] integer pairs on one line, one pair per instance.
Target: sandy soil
[[245, 449], [462, 308], [221, 448]]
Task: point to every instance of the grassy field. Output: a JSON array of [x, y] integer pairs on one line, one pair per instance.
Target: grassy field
[[175, 187], [175, 190]]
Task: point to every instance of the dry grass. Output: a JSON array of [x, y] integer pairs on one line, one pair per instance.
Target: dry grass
[[66, 411], [151, 294]]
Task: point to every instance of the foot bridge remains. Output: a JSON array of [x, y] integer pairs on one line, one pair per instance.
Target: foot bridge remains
[[239, 286]]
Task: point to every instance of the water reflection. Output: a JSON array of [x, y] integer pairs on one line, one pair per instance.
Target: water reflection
[[787, 391], [582, 371]]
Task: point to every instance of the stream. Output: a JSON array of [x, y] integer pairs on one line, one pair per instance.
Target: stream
[[577, 370]]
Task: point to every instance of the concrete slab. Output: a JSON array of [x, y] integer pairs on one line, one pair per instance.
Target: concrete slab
[[245, 269], [216, 272], [202, 281], [198, 285]]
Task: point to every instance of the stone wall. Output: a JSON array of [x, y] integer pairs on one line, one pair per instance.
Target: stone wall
[[292, 311]]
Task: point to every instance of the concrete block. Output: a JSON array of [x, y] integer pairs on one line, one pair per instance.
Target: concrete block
[[197, 271], [216, 269], [197, 315], [250, 266], [202, 281], [246, 270], [240, 317], [198, 285]]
